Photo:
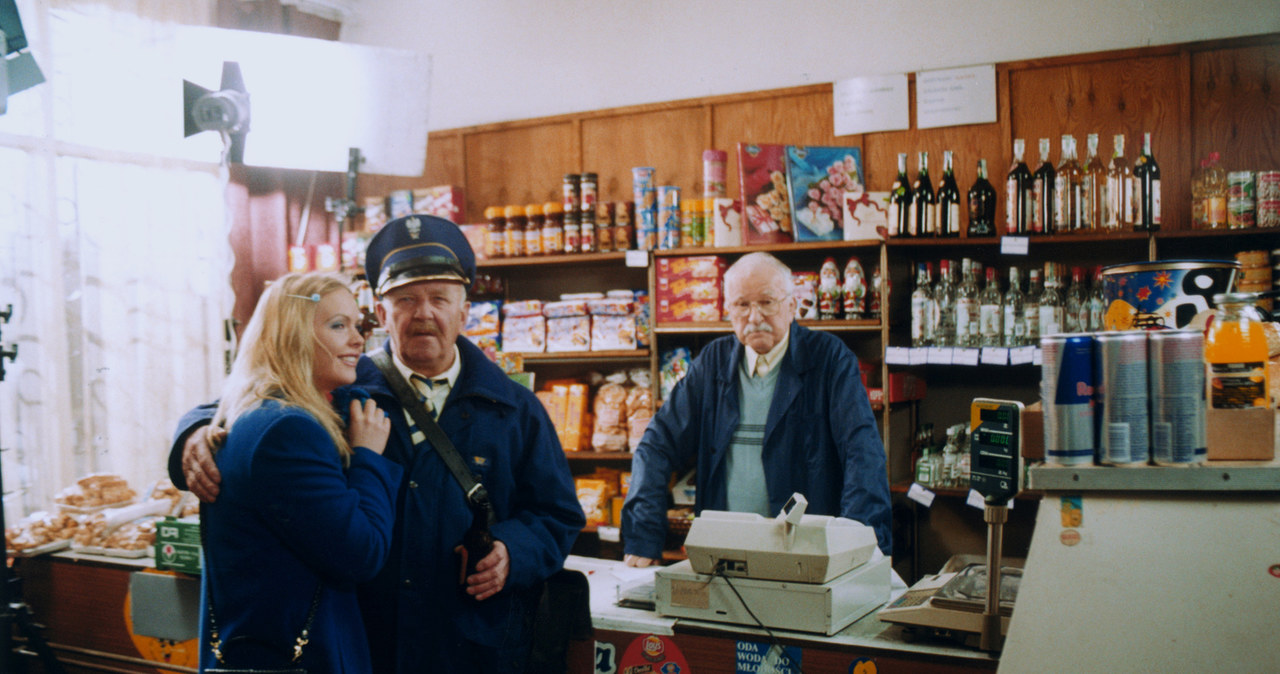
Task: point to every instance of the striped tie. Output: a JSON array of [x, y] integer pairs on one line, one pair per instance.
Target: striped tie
[[424, 387]]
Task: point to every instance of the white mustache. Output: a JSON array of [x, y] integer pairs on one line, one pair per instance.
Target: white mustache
[[758, 327]]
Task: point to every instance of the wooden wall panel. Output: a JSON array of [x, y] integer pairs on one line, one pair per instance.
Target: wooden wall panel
[[1129, 96], [670, 140], [446, 161], [802, 118], [519, 165], [1235, 106]]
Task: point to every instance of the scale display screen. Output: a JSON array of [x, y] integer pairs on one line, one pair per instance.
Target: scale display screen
[[994, 447]]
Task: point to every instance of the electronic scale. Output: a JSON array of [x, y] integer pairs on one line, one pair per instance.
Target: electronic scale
[[959, 598]]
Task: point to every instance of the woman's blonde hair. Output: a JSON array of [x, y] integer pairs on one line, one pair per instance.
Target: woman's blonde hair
[[277, 355]]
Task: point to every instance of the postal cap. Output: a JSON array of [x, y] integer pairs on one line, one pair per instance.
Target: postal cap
[[418, 248]]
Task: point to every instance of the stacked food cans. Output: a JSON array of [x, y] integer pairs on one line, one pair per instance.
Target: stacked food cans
[[1124, 398]]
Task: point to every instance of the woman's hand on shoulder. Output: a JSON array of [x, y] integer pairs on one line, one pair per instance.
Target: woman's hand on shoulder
[[369, 426]]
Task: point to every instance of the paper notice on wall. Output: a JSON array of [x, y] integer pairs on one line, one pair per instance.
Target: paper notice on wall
[[868, 104], [956, 96]]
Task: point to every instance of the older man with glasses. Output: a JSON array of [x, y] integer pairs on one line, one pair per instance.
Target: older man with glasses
[[774, 410]]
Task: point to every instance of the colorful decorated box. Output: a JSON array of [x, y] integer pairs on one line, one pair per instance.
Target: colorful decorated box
[[444, 201], [766, 204], [818, 177], [866, 215]]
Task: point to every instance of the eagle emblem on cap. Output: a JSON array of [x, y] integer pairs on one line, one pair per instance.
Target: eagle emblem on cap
[[414, 226]]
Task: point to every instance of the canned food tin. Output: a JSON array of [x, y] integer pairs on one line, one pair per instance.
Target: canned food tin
[[668, 216], [1241, 185], [1121, 398], [1268, 184], [1066, 392], [1176, 371], [1240, 214]]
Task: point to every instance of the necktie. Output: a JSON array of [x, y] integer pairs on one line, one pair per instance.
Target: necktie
[[424, 386], [762, 367]]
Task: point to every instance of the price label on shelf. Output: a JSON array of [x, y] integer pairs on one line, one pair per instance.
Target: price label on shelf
[[1036, 356], [940, 355], [1022, 355], [919, 356], [965, 356], [637, 258], [897, 355], [995, 355], [920, 495], [1014, 245]]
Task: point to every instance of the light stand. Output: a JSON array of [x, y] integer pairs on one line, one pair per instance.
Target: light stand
[[13, 611], [344, 208]]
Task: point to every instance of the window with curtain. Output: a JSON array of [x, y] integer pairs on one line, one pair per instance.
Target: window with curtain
[[113, 252]]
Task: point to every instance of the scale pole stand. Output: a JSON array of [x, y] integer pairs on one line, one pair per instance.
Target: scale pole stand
[[995, 516]]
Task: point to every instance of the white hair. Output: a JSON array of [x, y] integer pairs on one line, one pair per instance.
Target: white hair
[[752, 262]]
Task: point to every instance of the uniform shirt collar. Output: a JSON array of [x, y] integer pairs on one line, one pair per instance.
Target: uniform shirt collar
[[450, 374], [760, 364]]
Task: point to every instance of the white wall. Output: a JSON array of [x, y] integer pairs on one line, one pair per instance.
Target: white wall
[[498, 60]]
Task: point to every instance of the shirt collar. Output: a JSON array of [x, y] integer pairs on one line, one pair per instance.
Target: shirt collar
[[451, 374], [769, 360]]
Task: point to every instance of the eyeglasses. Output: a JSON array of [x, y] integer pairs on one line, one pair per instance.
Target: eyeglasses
[[743, 308]]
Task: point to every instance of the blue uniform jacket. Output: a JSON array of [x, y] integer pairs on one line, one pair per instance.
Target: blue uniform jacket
[[415, 608], [820, 440], [289, 518], [416, 617]]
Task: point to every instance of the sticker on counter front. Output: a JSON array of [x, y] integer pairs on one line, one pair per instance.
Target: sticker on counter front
[[1022, 355], [1072, 511], [897, 355], [606, 658], [863, 666], [965, 356], [653, 654], [920, 495], [757, 658]]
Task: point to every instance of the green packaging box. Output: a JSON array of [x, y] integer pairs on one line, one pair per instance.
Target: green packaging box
[[178, 544]]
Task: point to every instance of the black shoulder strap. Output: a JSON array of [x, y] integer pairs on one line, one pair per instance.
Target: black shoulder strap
[[477, 496]]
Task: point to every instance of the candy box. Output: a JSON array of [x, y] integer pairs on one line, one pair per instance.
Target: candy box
[[677, 311], [569, 333], [726, 219], [613, 332], [695, 266], [818, 177], [526, 334], [866, 215], [400, 203], [766, 202], [443, 201]]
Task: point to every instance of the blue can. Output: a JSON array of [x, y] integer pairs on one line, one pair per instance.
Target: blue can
[[1178, 407], [668, 217], [1122, 398], [1066, 393]]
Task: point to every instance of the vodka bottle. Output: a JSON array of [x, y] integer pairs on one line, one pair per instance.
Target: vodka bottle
[[923, 207], [924, 468], [900, 200], [1118, 202], [948, 198], [1031, 307], [1094, 177], [944, 297], [1076, 311], [991, 311], [1018, 201], [1067, 197], [1051, 302], [950, 454], [1042, 191], [967, 316], [1146, 177], [1097, 302], [922, 307], [1015, 326], [982, 204]]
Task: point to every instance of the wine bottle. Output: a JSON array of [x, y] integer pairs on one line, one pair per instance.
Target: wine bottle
[[982, 204], [1042, 187], [948, 198], [900, 200], [923, 222], [1018, 200], [1146, 173], [1118, 215], [1093, 177]]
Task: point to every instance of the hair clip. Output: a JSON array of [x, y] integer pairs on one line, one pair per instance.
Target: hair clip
[[314, 297]]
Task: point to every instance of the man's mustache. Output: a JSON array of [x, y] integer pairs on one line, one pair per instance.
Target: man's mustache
[[758, 327]]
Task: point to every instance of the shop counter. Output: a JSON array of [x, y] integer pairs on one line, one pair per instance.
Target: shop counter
[[628, 637]]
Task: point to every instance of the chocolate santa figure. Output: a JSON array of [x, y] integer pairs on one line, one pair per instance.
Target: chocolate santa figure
[[855, 289], [830, 293]]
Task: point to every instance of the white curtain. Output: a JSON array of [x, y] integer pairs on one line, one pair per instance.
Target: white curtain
[[113, 254]]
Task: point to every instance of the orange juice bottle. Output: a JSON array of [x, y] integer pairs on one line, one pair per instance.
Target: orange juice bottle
[[1235, 353]]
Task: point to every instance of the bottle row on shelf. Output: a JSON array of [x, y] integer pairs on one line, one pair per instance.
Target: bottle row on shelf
[[955, 312]]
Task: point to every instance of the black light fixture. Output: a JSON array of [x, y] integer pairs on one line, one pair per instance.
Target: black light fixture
[[18, 69], [225, 111]]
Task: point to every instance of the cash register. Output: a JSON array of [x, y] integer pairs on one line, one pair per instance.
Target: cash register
[[808, 573]]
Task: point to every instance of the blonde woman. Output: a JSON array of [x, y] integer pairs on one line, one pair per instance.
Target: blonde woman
[[307, 502]]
